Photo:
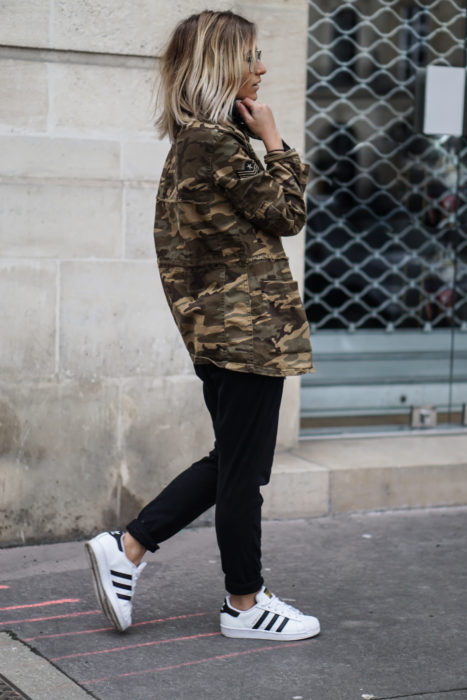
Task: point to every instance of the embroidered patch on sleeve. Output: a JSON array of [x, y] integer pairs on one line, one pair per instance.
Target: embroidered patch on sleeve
[[250, 168]]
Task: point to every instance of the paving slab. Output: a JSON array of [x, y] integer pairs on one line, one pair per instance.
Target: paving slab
[[388, 587], [26, 674]]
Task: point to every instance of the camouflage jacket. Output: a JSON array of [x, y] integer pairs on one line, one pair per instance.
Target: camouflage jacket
[[219, 220]]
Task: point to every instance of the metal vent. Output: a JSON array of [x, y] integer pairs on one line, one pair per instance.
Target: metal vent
[[8, 691], [386, 233]]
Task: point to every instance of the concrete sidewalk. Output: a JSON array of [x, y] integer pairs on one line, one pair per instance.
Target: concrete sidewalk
[[389, 588]]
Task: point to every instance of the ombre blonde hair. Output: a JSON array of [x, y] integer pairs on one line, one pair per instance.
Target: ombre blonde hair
[[201, 69]]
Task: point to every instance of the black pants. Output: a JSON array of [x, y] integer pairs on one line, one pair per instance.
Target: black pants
[[244, 409]]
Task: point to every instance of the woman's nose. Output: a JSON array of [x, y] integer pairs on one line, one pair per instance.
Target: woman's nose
[[260, 68]]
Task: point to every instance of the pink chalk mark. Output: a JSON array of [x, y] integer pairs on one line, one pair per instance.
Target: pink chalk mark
[[112, 629], [3, 587], [50, 617], [136, 646], [219, 657], [40, 605]]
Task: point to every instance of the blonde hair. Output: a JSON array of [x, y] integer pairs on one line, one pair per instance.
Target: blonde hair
[[201, 69]]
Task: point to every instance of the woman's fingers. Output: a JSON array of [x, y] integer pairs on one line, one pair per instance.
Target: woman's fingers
[[258, 116], [249, 103], [244, 111], [260, 120]]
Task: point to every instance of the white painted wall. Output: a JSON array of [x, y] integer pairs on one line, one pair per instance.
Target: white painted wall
[[99, 406]]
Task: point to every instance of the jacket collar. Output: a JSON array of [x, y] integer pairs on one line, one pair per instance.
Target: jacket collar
[[236, 130], [229, 127]]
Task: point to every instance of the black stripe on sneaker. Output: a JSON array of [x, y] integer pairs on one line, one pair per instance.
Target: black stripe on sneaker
[[261, 620], [117, 535], [122, 585], [271, 623], [123, 597], [283, 624], [226, 609], [117, 573]]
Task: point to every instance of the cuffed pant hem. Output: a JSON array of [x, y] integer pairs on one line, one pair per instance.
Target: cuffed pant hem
[[136, 531], [243, 588]]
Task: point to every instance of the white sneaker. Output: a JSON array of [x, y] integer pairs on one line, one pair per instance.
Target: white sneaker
[[114, 577], [270, 618]]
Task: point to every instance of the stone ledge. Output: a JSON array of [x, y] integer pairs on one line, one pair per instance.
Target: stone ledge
[[385, 451], [345, 475], [298, 489], [381, 488]]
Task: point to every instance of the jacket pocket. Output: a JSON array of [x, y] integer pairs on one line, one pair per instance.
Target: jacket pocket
[[284, 326], [198, 308]]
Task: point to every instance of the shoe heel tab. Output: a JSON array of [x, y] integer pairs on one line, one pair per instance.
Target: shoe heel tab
[[118, 536], [227, 609]]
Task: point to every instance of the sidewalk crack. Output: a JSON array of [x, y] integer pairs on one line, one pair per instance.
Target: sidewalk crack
[[419, 693]]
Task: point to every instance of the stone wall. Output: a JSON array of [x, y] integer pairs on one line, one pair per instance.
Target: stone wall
[[99, 406]]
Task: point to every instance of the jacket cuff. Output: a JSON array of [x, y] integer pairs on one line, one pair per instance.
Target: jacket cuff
[[279, 155], [290, 155]]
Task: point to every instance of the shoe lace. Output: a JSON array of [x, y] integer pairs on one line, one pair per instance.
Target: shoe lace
[[279, 606]]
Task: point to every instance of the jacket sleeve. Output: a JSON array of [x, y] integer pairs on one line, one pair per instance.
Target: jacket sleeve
[[272, 199]]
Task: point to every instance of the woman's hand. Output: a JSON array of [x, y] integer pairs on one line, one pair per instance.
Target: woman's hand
[[260, 120]]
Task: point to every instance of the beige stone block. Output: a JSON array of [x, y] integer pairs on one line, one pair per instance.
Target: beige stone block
[[23, 94], [144, 160], [29, 156], [61, 220], [59, 461], [25, 23], [298, 489], [115, 322], [282, 36], [27, 320], [138, 27], [103, 97], [294, 246], [287, 434], [165, 428], [374, 488], [139, 222]]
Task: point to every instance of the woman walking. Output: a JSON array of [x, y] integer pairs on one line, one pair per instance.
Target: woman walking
[[220, 215]]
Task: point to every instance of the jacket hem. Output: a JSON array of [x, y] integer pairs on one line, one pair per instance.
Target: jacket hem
[[252, 368]]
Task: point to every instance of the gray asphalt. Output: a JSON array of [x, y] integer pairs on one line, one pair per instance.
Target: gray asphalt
[[389, 588]]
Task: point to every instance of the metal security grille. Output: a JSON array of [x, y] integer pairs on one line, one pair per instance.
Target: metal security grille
[[386, 233]]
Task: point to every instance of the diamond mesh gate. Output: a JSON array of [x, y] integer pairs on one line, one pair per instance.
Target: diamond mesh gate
[[386, 245]]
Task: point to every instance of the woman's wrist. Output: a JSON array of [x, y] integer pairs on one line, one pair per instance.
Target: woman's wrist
[[273, 142]]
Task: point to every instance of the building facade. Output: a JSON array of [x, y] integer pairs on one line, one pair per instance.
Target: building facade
[[99, 407]]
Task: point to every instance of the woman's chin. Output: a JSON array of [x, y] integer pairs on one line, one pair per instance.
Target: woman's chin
[[251, 96]]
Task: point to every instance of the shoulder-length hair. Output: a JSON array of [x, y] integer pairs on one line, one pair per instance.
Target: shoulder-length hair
[[201, 69]]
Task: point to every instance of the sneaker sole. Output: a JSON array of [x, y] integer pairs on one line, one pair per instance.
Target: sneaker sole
[[102, 598], [263, 634]]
